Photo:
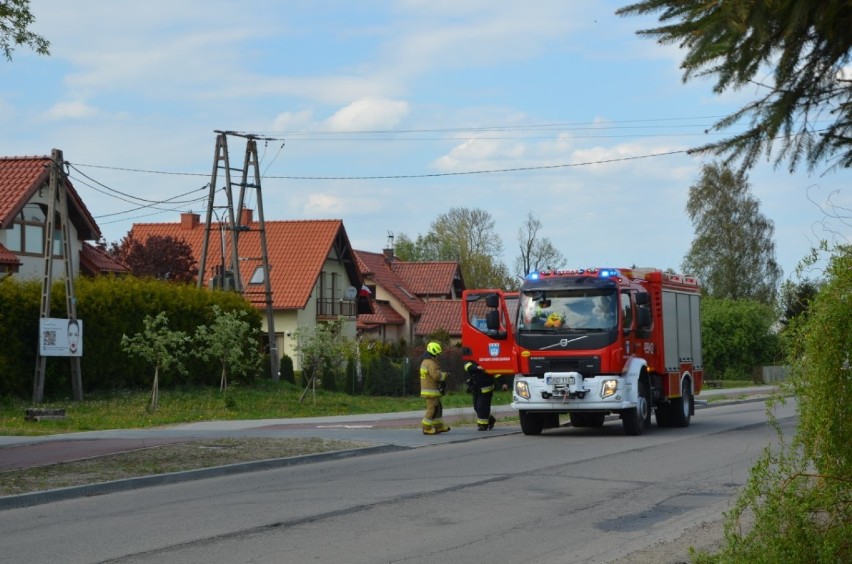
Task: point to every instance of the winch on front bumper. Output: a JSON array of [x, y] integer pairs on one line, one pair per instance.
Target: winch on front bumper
[[570, 391]]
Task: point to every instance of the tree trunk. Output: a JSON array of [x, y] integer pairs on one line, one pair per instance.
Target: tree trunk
[[155, 391]]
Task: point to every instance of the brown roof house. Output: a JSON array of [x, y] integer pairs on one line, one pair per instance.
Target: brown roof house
[[24, 189], [411, 299], [313, 275]]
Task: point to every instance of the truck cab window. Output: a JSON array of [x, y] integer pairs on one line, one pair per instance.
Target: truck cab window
[[627, 310]]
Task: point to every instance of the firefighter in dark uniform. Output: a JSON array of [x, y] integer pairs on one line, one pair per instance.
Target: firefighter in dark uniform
[[432, 386], [481, 385]]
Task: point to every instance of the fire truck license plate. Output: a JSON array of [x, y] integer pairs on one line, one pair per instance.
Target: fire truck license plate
[[559, 380]]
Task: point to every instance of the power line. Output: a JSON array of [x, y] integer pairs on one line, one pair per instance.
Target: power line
[[490, 171], [424, 175]]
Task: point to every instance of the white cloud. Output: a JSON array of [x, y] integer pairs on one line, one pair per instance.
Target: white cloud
[[367, 114], [70, 110], [292, 120]]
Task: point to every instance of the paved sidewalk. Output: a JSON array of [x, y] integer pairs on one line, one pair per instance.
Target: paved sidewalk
[[384, 431]]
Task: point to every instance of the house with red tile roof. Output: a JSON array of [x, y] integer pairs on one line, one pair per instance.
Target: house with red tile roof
[[24, 189], [412, 299], [313, 274]]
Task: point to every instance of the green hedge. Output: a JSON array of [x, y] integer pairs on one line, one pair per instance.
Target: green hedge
[[109, 308]]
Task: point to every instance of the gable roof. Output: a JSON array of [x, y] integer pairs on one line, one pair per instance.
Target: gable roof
[[374, 266], [94, 260], [429, 278], [22, 177], [297, 251], [8, 257], [384, 314], [440, 314]]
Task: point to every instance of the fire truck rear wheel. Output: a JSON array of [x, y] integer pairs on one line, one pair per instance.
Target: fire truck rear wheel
[[531, 423], [680, 408]]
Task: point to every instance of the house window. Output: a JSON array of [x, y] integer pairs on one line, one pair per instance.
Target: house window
[[257, 276], [57, 242], [14, 239], [27, 234], [33, 239]]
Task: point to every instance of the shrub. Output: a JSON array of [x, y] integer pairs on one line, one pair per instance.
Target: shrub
[[109, 307], [286, 367], [800, 494]]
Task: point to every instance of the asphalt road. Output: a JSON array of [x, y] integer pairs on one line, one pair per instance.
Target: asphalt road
[[570, 495]]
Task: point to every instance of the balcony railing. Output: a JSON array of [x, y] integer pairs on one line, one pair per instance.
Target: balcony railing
[[328, 307]]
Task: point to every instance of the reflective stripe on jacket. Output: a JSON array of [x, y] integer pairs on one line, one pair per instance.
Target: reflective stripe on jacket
[[430, 377]]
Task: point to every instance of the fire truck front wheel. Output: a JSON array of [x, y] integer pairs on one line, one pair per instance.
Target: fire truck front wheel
[[531, 423], [634, 419]]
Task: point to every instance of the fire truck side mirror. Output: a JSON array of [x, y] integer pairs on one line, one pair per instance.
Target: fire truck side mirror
[[642, 299], [643, 319], [492, 301], [492, 322]]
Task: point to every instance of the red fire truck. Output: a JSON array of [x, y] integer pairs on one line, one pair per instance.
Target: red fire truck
[[592, 342]]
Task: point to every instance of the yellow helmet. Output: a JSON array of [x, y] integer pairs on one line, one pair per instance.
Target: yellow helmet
[[434, 348]]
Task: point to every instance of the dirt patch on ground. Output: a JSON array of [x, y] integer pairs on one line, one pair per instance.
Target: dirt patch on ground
[[162, 460], [706, 537]]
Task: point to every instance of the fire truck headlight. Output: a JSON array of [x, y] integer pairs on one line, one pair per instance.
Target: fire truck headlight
[[608, 388], [522, 390]]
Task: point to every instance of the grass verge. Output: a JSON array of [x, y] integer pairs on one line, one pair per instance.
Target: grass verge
[[262, 400]]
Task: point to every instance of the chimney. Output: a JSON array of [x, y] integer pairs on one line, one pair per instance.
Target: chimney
[[189, 221], [246, 216], [388, 250]]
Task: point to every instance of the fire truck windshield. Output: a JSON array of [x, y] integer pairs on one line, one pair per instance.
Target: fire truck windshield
[[566, 310]]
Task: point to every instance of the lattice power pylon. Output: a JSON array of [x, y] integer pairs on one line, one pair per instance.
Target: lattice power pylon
[[228, 276]]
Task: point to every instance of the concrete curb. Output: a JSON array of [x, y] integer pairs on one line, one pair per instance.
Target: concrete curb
[[72, 492]]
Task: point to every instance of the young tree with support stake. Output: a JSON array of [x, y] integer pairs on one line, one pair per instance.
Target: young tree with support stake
[[160, 346], [229, 340]]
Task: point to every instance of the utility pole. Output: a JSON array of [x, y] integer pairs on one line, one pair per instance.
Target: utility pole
[[221, 160], [57, 210]]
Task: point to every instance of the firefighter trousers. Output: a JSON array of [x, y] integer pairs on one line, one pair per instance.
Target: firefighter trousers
[[482, 407], [434, 412]]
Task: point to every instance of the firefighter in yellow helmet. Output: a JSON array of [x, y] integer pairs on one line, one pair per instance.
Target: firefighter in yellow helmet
[[481, 385], [432, 384]]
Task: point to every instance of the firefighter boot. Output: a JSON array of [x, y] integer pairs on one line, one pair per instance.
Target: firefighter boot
[[491, 422], [441, 427], [429, 430]]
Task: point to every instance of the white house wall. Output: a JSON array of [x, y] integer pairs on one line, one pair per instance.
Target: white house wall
[[288, 321], [402, 332], [32, 267]]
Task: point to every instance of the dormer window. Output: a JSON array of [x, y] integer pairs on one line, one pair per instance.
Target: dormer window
[[257, 276]]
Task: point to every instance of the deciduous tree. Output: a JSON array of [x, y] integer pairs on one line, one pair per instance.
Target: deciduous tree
[[160, 346], [797, 55], [537, 253], [733, 252], [468, 236], [15, 21], [164, 258], [232, 341]]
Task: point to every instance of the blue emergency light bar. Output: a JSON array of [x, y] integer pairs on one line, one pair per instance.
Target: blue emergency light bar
[[599, 272]]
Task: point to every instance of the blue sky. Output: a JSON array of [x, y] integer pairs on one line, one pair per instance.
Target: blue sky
[[446, 96]]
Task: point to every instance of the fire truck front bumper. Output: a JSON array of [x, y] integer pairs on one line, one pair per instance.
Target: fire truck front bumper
[[570, 391]]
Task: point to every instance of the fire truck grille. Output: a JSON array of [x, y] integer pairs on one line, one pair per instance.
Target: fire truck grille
[[587, 366]]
